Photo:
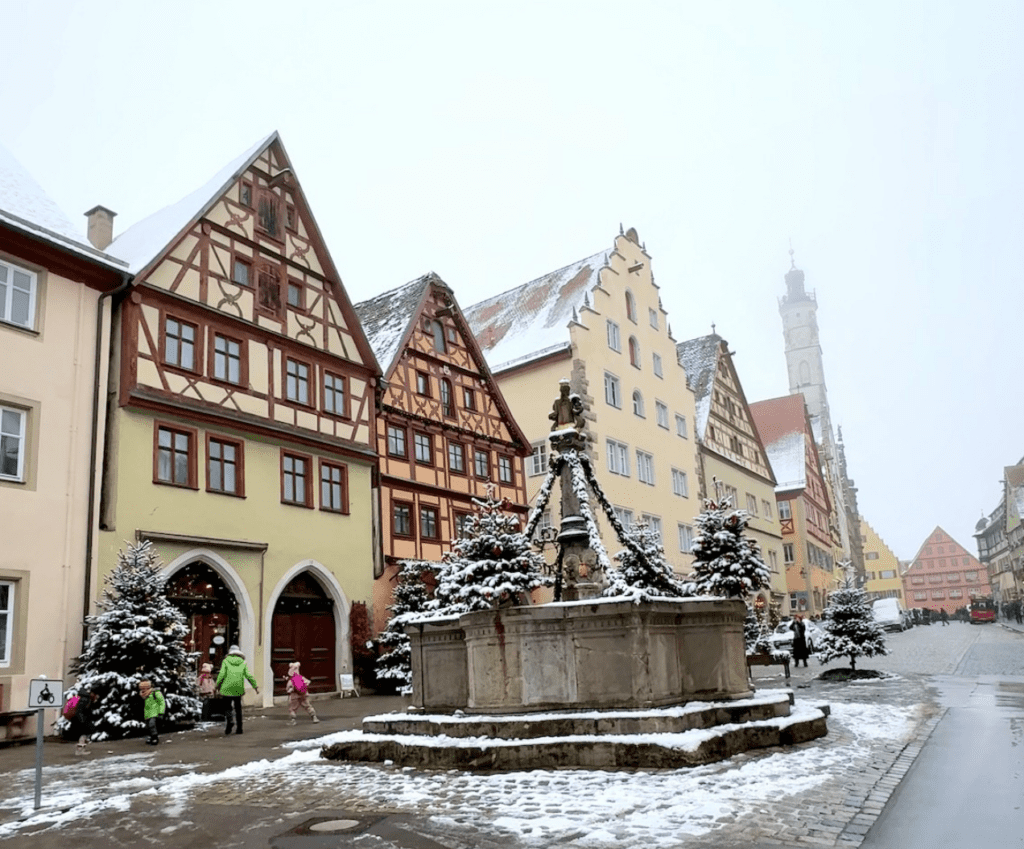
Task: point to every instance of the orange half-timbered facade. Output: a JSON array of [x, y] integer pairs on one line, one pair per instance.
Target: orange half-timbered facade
[[445, 433], [243, 423]]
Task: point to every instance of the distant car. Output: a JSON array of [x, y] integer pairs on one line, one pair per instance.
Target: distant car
[[889, 614], [782, 639]]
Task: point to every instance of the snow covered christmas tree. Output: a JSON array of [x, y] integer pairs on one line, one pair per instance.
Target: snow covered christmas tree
[[850, 627], [139, 635], [755, 634], [647, 577], [410, 597], [490, 565], [726, 561]]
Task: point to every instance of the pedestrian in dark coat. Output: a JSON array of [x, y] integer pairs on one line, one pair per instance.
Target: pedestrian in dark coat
[[944, 616], [82, 721], [800, 651]]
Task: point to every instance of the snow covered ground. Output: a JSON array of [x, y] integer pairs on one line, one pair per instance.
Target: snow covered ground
[[540, 807]]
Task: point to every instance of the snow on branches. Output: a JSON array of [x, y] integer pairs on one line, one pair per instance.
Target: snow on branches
[[409, 598], [726, 561], [646, 577], [850, 627]]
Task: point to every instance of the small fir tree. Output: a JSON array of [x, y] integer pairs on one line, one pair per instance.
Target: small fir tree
[[139, 635], [643, 573], [490, 565], [726, 561], [755, 634], [394, 665], [850, 629]]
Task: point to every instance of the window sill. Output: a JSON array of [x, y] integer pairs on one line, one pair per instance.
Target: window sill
[[301, 504], [190, 486], [30, 331], [223, 492]]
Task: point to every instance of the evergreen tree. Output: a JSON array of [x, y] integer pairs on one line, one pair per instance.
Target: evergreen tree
[[726, 561], [490, 565], [755, 634], [850, 627], [139, 635], [410, 597], [645, 577]]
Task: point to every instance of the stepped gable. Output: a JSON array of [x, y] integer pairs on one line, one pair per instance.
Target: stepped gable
[[531, 320]]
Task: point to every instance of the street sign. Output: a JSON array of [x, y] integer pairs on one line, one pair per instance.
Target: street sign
[[45, 693]]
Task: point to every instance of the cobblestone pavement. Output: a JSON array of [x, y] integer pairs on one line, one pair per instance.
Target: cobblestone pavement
[[453, 810]]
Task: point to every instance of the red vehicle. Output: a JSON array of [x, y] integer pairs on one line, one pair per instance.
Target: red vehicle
[[983, 610]]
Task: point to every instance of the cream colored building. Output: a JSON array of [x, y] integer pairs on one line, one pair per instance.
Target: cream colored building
[[732, 462], [881, 567], [600, 324], [54, 324]]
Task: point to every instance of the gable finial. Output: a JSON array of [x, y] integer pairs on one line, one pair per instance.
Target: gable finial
[[586, 299], [792, 261], [575, 317], [712, 328], [621, 233]]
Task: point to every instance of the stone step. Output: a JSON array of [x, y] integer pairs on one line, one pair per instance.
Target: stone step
[[660, 750]]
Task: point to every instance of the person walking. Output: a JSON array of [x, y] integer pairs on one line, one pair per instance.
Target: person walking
[[81, 718], [152, 709], [944, 616], [297, 688], [207, 690], [800, 651], [231, 682]]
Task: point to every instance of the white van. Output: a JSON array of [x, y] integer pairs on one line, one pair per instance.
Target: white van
[[889, 614]]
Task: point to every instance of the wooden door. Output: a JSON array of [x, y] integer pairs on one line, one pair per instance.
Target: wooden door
[[309, 638]]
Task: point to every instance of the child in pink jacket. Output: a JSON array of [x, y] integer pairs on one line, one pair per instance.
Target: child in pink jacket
[[298, 693]]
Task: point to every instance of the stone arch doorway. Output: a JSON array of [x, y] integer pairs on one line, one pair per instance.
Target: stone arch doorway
[[303, 629], [210, 609]]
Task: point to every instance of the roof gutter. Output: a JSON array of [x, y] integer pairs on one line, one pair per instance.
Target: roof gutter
[[126, 281]]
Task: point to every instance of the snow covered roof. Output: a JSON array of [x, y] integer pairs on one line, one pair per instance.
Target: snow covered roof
[[699, 359], [385, 317], [143, 241], [531, 320], [26, 206], [781, 424]]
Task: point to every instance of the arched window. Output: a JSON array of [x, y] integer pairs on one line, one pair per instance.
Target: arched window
[[638, 403], [436, 329], [634, 352], [630, 306]]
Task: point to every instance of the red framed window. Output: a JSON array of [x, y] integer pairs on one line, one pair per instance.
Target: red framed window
[[333, 487], [396, 441], [504, 469], [296, 296], [245, 194], [174, 456], [268, 290], [335, 395], [268, 213], [296, 470], [229, 359], [241, 272], [482, 464], [428, 523], [401, 519], [296, 381], [181, 343], [447, 400], [457, 458], [423, 448], [423, 384], [462, 523], [468, 398], [225, 466]]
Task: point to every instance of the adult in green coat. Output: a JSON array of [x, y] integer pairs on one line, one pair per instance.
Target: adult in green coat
[[231, 683]]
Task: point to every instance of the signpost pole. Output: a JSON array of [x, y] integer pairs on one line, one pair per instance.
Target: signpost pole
[[39, 757]]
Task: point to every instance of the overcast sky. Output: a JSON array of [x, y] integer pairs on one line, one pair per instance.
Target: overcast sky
[[493, 143]]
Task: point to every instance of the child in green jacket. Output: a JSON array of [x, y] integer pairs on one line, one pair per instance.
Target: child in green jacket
[[153, 708]]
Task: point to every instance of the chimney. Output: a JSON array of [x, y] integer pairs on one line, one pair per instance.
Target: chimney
[[101, 227]]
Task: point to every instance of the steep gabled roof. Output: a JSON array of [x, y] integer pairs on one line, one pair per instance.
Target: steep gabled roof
[[531, 320], [699, 359], [1014, 476], [25, 206], [387, 318], [141, 243], [782, 426]]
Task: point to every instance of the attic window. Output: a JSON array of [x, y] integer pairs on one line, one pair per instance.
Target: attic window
[[436, 329], [268, 213], [246, 194], [290, 218]]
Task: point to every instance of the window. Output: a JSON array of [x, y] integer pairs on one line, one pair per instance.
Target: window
[[175, 456], [630, 307], [686, 539], [436, 329], [17, 295], [653, 315], [422, 384], [870, 555], [241, 272], [730, 495], [920, 595], [504, 469], [953, 577], [624, 515], [657, 365], [645, 467], [618, 458], [785, 511], [224, 466], [766, 508], [297, 381], [396, 441], [462, 524], [661, 414], [457, 457], [333, 487], [12, 443], [423, 448], [447, 401], [538, 462], [638, 403], [614, 342], [246, 194], [889, 574], [751, 504], [481, 464], [970, 576], [268, 213], [788, 554], [6, 621], [680, 485], [612, 391], [295, 298], [773, 560], [295, 481], [956, 593], [938, 594], [268, 289], [428, 523], [468, 398], [180, 344], [681, 426], [654, 523], [917, 579], [289, 217], [401, 519], [335, 397], [634, 352], [227, 359]]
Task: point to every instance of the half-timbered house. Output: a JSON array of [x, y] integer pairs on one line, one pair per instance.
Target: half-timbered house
[[445, 434], [241, 422]]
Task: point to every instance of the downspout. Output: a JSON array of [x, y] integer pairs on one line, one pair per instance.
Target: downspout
[[126, 281]]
